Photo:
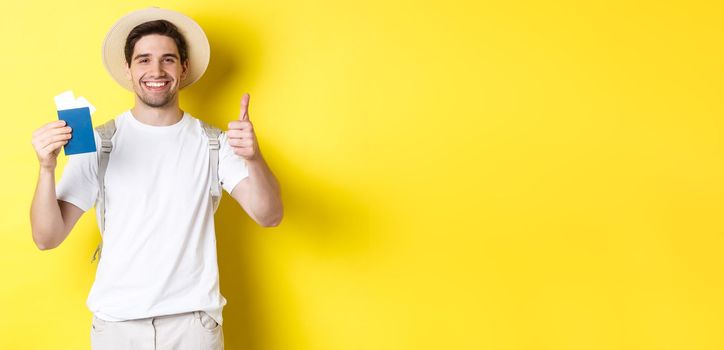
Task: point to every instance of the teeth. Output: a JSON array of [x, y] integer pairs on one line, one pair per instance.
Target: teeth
[[154, 84]]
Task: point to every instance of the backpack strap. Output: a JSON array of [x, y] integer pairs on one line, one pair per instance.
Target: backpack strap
[[106, 132], [213, 133]]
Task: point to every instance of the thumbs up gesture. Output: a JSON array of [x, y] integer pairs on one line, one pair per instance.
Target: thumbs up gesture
[[241, 135]]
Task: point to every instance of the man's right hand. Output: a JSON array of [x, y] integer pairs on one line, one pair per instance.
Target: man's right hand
[[47, 140]]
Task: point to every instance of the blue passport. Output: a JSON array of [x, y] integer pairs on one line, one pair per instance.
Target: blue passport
[[82, 139]]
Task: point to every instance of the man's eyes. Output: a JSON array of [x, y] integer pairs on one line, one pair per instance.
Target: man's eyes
[[168, 60]]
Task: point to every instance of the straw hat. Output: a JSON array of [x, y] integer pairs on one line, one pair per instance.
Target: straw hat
[[197, 44]]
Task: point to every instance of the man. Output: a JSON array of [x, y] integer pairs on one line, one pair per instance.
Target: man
[[157, 282]]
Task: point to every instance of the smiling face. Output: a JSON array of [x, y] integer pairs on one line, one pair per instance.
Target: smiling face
[[156, 70]]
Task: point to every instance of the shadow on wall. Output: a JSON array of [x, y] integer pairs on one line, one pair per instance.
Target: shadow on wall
[[327, 222], [332, 221]]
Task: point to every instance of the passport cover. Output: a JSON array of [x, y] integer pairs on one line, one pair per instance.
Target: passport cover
[[82, 139]]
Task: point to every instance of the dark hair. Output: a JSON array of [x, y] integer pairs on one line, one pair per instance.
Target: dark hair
[[161, 27]]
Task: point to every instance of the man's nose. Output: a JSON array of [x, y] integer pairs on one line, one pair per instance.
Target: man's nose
[[157, 70]]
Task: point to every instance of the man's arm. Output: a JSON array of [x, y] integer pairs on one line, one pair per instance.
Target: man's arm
[[51, 220], [258, 193]]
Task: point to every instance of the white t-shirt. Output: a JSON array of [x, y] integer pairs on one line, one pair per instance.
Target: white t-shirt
[[159, 244]]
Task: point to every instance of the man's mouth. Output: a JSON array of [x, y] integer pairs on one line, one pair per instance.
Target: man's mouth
[[155, 85]]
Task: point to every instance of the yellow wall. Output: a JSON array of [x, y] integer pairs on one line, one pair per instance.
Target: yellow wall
[[480, 175]]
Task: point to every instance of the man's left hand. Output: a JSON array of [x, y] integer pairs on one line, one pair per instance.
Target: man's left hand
[[241, 135]]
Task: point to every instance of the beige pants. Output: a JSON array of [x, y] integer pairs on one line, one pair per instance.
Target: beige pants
[[188, 331]]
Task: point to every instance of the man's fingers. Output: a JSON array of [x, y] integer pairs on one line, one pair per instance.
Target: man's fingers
[[233, 134], [41, 141], [240, 125], [57, 131], [244, 113], [55, 145], [49, 134], [42, 134], [51, 125], [238, 134], [241, 142], [55, 139], [55, 124]]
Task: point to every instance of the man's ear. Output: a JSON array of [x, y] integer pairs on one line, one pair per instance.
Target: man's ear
[[184, 69], [128, 72]]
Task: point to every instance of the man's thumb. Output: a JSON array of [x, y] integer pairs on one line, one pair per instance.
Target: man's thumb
[[244, 113]]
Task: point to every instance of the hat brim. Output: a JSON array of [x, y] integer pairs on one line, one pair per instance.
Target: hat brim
[[198, 48]]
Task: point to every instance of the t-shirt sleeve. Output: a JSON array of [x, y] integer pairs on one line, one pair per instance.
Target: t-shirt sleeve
[[232, 168], [79, 185]]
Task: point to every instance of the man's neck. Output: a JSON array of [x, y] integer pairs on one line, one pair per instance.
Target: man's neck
[[157, 116]]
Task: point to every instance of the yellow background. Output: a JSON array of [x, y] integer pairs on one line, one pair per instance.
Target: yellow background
[[457, 175]]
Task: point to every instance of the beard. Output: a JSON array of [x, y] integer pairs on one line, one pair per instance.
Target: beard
[[155, 101]]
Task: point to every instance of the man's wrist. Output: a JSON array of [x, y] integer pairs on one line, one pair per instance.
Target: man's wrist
[[46, 170], [257, 161]]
